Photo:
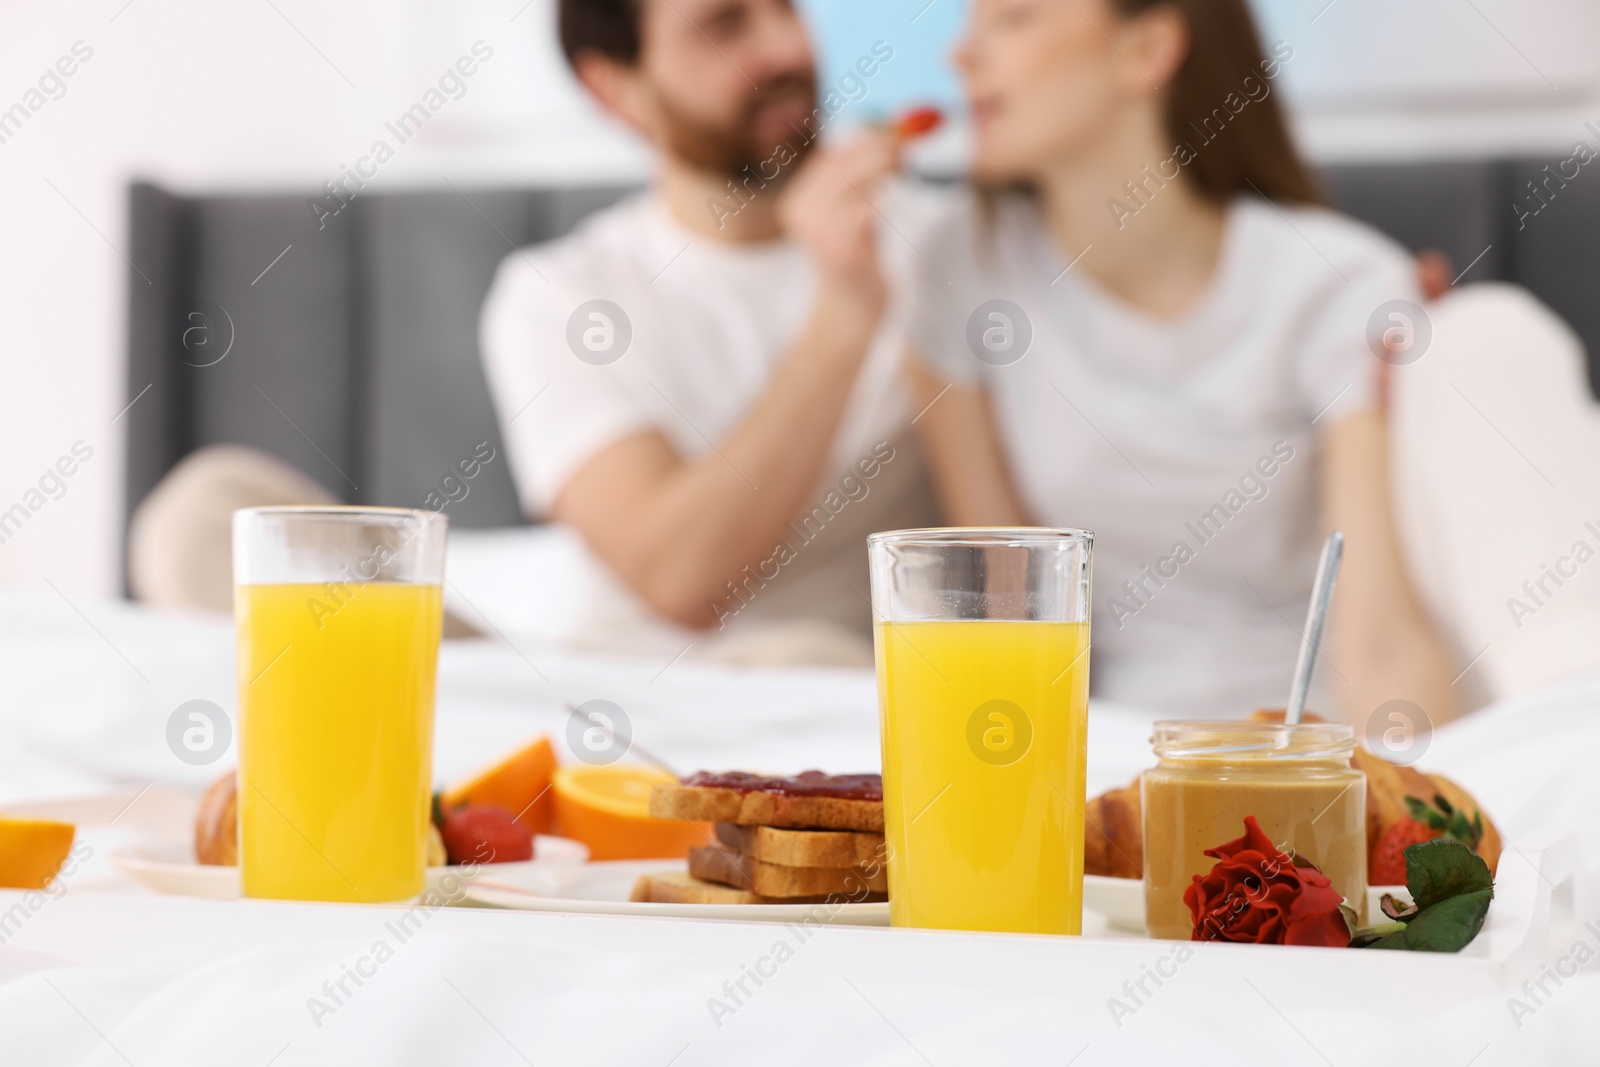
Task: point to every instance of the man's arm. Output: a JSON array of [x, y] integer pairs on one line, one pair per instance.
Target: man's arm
[[677, 530]]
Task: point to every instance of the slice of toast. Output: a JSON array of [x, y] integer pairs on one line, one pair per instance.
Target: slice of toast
[[714, 863], [708, 804], [802, 848], [681, 888]]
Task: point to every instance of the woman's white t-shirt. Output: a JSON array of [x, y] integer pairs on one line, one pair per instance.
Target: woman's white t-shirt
[[1187, 444]]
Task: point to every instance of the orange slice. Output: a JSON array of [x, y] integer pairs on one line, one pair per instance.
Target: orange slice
[[608, 809], [32, 851], [518, 784]]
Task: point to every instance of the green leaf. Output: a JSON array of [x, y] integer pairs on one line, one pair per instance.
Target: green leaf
[[1396, 940], [1447, 926], [1369, 936], [1443, 868], [1452, 889]]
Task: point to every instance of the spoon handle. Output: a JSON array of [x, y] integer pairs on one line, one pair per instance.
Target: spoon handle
[[1316, 622]]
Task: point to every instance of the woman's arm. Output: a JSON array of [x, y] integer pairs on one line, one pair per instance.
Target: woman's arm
[[1383, 643], [963, 449]]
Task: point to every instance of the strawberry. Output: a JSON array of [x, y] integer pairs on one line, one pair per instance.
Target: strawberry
[[1388, 866], [480, 833], [917, 122], [1427, 821]]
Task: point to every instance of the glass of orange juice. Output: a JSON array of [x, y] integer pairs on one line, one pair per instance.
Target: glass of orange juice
[[338, 613], [982, 642]]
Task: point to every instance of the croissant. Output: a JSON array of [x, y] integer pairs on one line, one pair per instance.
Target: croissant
[[216, 824], [1113, 834], [1113, 838], [216, 827]]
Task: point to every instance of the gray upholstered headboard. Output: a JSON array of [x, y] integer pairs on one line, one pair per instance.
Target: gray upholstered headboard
[[354, 344]]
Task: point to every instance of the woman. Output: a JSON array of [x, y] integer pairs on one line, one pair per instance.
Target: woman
[[1149, 328]]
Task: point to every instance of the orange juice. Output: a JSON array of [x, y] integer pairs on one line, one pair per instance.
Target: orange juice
[[984, 741], [336, 688]]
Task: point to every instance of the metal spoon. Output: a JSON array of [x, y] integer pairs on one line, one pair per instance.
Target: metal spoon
[[1316, 622]]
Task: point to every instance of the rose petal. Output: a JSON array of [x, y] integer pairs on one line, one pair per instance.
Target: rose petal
[[1254, 893], [1258, 839]]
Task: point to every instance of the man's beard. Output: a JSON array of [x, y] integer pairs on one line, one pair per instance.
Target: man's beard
[[733, 148]]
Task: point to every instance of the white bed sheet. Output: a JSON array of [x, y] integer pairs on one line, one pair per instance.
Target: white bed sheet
[[86, 692]]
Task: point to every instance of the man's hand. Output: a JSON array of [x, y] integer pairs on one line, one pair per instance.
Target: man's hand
[[828, 211]]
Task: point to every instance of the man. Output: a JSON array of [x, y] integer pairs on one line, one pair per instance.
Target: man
[[701, 381]]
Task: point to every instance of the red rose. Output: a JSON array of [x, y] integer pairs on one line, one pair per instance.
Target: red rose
[[1256, 895]]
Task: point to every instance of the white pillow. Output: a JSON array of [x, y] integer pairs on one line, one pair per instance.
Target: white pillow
[[1496, 478]]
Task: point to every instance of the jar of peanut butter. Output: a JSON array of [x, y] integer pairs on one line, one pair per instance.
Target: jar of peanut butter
[[1296, 780]]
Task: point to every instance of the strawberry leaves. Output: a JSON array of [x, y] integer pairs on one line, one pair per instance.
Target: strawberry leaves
[[1447, 820]]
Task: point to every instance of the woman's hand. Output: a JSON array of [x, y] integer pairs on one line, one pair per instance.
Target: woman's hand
[[1384, 645], [962, 445]]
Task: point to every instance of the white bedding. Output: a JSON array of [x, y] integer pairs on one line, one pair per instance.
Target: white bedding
[[86, 692], [86, 699], [86, 689]]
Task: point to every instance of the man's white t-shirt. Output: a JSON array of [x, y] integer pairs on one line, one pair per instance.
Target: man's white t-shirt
[[1187, 444], [634, 323]]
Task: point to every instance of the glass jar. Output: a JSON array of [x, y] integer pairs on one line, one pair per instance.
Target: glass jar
[[1296, 780]]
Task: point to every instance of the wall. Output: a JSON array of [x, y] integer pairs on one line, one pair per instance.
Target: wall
[[264, 93]]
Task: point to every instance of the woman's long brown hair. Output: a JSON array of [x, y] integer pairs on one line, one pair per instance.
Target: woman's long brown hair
[[1247, 152]]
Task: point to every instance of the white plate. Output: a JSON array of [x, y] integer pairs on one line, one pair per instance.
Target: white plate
[[171, 867], [1121, 900], [604, 888]]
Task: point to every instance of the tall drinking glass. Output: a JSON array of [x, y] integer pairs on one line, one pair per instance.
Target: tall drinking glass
[[338, 612], [983, 687]]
